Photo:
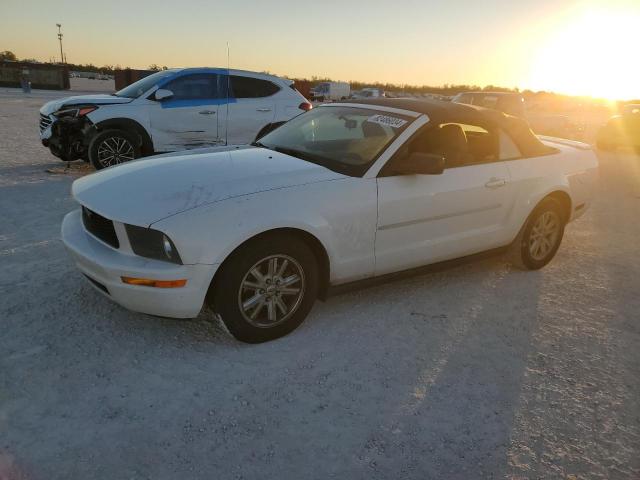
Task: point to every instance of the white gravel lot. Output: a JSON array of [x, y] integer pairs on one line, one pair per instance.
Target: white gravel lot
[[475, 372]]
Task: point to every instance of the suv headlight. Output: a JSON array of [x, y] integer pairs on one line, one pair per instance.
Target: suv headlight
[[78, 111], [150, 243]]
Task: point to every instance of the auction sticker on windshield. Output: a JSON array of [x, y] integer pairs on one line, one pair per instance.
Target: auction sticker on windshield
[[387, 121]]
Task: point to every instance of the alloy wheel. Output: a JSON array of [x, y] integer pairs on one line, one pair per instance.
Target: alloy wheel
[[271, 291], [544, 235], [115, 150]]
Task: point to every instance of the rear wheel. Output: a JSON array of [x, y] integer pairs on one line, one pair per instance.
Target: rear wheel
[[266, 288], [539, 239], [112, 147]]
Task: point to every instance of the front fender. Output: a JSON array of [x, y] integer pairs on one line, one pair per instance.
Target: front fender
[[340, 214], [131, 126]]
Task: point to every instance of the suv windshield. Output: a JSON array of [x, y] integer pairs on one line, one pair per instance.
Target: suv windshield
[[143, 85], [344, 139]]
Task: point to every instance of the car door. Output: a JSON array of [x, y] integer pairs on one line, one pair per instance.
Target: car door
[[189, 118], [424, 219], [251, 107]]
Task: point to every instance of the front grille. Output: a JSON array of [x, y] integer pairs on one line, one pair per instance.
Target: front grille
[[45, 121], [100, 227]]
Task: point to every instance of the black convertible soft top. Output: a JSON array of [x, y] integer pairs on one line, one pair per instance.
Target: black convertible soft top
[[449, 112]]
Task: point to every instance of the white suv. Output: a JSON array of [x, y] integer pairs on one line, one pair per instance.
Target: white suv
[[168, 111]]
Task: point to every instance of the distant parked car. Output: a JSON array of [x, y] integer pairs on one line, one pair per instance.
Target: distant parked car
[[346, 192], [368, 93], [333, 91], [506, 102], [621, 130], [556, 126], [168, 111]]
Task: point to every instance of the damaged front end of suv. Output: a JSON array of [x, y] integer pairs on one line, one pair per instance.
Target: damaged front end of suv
[[66, 132]]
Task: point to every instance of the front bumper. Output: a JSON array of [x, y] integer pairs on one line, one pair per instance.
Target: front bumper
[[67, 137], [105, 265], [45, 124]]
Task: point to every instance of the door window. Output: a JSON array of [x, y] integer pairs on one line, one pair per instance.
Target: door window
[[248, 87], [196, 86], [460, 144]]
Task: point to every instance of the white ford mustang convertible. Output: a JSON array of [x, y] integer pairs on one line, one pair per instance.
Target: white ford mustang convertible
[[342, 193]]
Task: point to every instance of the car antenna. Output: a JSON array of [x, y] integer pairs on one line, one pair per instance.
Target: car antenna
[[226, 121]]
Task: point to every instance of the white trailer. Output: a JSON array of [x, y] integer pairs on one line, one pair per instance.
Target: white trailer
[[334, 91]]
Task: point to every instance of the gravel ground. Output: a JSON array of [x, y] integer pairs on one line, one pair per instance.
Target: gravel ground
[[476, 372]]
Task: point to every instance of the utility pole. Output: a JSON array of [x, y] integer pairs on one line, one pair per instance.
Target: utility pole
[[62, 59]]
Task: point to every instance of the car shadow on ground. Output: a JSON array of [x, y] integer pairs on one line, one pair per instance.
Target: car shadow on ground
[[455, 418], [446, 374]]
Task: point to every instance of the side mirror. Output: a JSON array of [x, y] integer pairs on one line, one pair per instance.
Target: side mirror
[[421, 164], [163, 94]]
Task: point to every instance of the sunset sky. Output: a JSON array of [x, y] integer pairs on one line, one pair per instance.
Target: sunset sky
[[575, 47]]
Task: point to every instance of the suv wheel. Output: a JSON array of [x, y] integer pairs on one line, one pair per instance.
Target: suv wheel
[[112, 147], [266, 288]]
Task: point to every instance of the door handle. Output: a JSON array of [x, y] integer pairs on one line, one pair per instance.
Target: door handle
[[495, 182], [263, 110], [207, 112]]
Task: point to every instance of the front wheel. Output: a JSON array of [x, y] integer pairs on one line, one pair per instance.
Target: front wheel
[[112, 147], [266, 288], [539, 239]]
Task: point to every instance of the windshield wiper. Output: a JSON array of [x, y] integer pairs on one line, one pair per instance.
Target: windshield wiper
[[286, 151], [298, 154]]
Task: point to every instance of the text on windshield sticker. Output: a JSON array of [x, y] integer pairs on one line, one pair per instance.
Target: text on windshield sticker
[[387, 121]]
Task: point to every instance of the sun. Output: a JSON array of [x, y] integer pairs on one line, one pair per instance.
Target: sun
[[591, 54]]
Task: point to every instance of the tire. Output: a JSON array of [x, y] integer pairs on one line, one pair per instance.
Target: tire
[[112, 147], [533, 248], [255, 309]]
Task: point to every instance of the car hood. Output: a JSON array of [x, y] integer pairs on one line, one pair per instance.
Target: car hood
[[101, 99], [147, 190]]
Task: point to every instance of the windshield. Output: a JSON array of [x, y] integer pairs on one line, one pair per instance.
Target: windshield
[[344, 139], [143, 85]]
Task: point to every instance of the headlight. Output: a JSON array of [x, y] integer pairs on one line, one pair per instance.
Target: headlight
[[150, 243], [78, 111]]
